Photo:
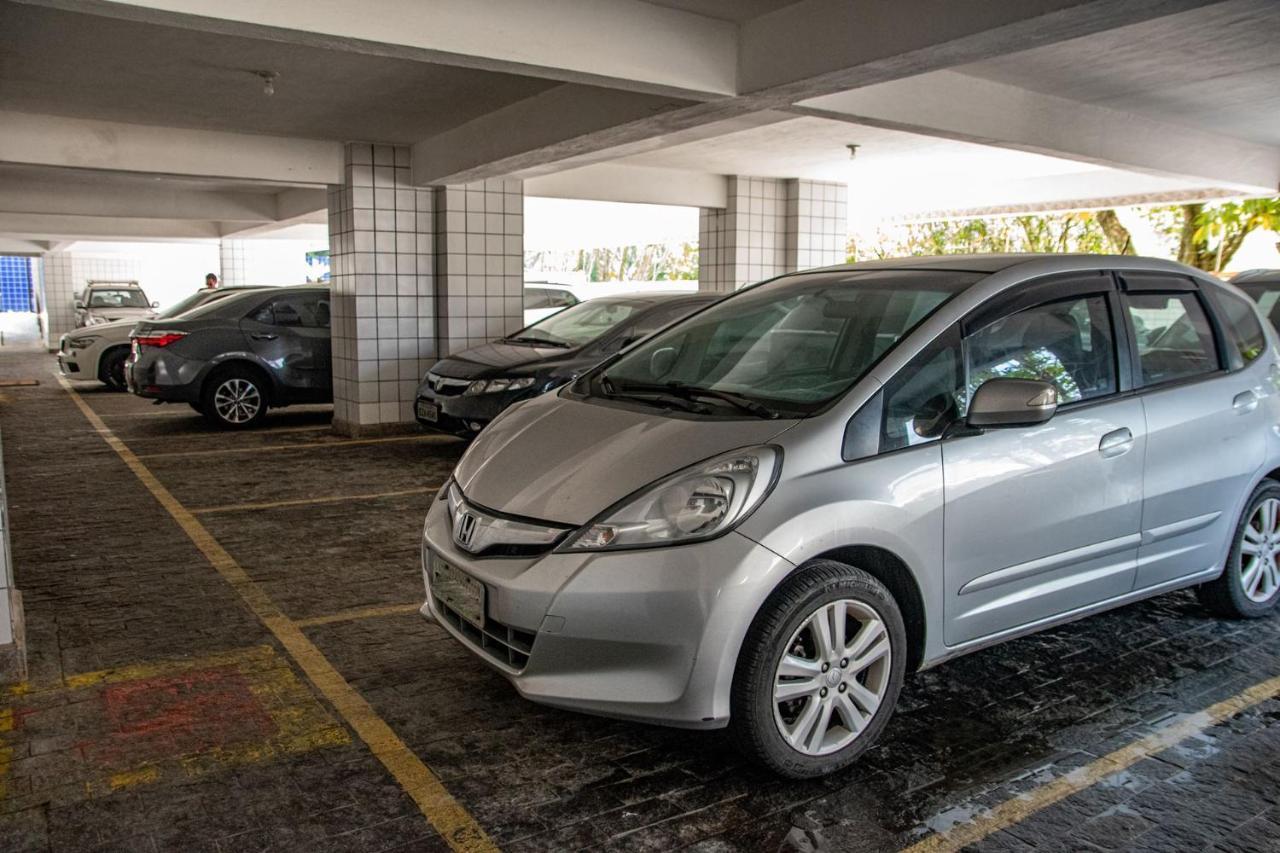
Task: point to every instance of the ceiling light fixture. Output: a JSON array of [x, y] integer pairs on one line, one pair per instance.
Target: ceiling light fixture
[[268, 82], [853, 151]]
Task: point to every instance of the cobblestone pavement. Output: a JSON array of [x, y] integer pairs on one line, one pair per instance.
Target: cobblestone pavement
[[162, 714]]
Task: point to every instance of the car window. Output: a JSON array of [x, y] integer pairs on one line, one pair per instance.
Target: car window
[[1068, 343], [924, 397], [579, 324], [307, 310], [536, 298], [1173, 337], [659, 317], [1268, 298], [123, 298], [1245, 332]]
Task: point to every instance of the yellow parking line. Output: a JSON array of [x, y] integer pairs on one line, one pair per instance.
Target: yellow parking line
[[308, 445], [305, 501], [357, 613], [454, 823], [1023, 806], [217, 433]]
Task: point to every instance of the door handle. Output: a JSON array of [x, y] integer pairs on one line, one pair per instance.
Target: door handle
[[1116, 443], [1245, 402], [263, 337]]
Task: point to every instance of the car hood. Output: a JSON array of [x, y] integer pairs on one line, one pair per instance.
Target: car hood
[[112, 326], [114, 314], [564, 460], [493, 358]]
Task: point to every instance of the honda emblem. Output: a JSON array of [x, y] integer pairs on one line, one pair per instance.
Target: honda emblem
[[465, 530]]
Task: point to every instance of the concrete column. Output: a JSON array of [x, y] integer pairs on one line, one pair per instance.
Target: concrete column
[[67, 273], [479, 262], [381, 245], [233, 263], [771, 226]]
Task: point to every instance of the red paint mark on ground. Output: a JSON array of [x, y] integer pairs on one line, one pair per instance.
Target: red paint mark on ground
[[181, 714]]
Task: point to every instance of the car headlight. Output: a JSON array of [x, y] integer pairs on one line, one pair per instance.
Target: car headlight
[[81, 343], [496, 386], [700, 502], [94, 320]]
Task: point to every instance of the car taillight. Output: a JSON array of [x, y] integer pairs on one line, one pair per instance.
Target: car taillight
[[158, 339]]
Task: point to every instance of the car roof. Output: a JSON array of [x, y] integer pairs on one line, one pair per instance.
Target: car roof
[[991, 263], [1257, 277]]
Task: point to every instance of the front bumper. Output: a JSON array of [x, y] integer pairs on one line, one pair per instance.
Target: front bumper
[[649, 635], [69, 366], [460, 413]]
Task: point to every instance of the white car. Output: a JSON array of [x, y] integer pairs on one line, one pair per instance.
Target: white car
[[544, 298], [108, 301], [99, 351]]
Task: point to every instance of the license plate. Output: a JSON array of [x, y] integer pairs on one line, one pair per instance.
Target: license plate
[[428, 411], [463, 593]]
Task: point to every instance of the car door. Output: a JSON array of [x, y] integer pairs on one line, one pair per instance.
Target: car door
[[1206, 431], [290, 334], [1044, 520]]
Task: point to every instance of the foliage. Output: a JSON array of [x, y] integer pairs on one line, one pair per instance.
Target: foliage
[[1065, 232], [653, 262]]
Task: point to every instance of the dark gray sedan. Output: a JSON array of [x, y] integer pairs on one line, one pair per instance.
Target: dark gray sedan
[[462, 393], [233, 358]]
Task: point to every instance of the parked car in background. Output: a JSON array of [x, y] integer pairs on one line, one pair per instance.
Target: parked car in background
[[544, 298], [108, 301], [462, 393], [100, 351], [767, 514], [1263, 286], [233, 358]]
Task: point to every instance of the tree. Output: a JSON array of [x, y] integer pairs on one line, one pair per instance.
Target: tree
[[1207, 236]]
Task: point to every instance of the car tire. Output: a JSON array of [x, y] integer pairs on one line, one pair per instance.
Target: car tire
[[1249, 586], [111, 373], [788, 735], [234, 398], [197, 407]]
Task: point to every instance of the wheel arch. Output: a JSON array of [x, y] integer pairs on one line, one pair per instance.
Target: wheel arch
[[238, 362], [892, 571], [101, 364]]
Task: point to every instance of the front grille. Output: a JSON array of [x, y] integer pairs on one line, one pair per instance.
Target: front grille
[[445, 386], [504, 644]]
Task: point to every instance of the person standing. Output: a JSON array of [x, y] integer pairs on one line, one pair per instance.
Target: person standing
[[211, 280]]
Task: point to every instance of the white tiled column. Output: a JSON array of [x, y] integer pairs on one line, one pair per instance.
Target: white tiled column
[[771, 226], [479, 262], [381, 243], [233, 263], [67, 273]]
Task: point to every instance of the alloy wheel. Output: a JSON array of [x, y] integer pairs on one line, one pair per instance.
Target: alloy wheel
[[1260, 552], [832, 677], [237, 400]]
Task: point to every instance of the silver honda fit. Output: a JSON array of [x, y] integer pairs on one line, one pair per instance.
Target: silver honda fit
[[766, 514]]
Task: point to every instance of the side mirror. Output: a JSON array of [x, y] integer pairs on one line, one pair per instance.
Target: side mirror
[[661, 362], [155, 304], [1013, 403], [79, 304]]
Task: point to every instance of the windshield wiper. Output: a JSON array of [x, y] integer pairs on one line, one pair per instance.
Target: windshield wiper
[[654, 394], [691, 392], [546, 342]]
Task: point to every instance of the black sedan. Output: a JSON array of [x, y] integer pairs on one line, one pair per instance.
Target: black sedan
[[462, 393]]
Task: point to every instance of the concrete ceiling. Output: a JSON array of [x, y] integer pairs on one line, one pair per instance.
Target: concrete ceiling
[[1215, 67], [103, 181], [64, 63], [736, 11]]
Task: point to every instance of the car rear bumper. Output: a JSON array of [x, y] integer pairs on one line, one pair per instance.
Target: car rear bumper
[[167, 376], [650, 635]]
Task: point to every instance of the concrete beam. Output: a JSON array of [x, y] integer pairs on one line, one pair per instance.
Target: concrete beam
[[162, 201], [58, 227], [817, 47], [30, 248], [490, 145], [625, 44], [636, 184], [82, 143], [292, 207], [956, 106]]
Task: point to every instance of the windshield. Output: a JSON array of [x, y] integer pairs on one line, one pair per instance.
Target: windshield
[[788, 346], [578, 325], [123, 298]]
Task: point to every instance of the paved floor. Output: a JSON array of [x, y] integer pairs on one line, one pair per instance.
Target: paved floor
[[239, 668]]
